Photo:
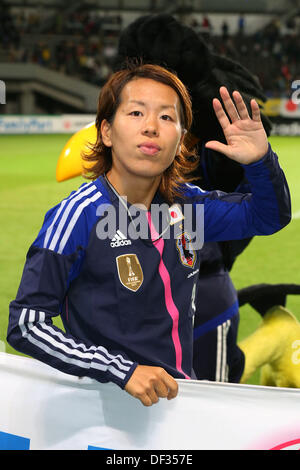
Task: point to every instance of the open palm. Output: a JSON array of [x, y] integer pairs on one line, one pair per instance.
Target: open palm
[[245, 136]]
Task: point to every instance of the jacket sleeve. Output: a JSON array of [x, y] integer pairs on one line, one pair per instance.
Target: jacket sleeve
[[263, 211], [44, 284]]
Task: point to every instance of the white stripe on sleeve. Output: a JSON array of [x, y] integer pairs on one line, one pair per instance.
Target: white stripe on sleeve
[[62, 204], [66, 213], [32, 332], [74, 219]]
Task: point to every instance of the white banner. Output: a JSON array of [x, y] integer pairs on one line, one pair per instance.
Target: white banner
[[64, 124], [292, 129], [43, 409]]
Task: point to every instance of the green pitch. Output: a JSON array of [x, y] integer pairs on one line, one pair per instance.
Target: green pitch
[[28, 188]]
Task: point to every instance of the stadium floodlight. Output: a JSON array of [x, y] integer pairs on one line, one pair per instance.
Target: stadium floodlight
[[2, 92]]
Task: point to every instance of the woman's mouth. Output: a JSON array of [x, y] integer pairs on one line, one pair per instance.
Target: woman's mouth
[[149, 148]]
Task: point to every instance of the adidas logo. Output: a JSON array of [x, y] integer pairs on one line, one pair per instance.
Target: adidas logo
[[119, 240]]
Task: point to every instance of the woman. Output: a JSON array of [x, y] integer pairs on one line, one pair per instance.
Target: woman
[[127, 301]]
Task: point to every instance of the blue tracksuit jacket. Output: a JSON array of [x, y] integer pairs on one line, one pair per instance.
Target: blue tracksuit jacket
[[125, 300]]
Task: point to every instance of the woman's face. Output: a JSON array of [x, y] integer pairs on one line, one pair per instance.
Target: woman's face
[[146, 132]]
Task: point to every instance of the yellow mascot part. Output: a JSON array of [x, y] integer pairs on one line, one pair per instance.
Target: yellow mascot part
[[70, 162], [275, 347]]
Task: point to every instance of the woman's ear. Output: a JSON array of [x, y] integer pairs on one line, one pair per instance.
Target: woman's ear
[[105, 129], [178, 151]]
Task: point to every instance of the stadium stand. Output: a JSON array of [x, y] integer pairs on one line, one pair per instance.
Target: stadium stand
[[81, 42]]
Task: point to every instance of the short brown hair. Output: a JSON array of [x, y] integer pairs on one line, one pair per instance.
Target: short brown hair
[[109, 99]]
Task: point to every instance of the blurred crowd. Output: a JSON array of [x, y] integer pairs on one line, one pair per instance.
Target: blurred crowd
[[271, 53], [83, 45]]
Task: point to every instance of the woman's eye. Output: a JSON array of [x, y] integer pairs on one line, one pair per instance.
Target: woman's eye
[[135, 113], [166, 117]]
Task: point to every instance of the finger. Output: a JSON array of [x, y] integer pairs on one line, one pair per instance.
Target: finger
[[171, 385], [161, 389], [229, 104], [240, 105], [220, 113], [152, 395], [255, 111], [145, 399]]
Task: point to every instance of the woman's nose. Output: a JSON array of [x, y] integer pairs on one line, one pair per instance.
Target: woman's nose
[[150, 126]]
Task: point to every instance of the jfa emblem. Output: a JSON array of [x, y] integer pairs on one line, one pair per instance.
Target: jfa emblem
[[186, 252], [130, 271]]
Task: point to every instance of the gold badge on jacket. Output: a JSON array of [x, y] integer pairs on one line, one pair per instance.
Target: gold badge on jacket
[[130, 271]]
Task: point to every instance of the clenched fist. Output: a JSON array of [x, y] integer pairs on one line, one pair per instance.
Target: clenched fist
[[149, 383]]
